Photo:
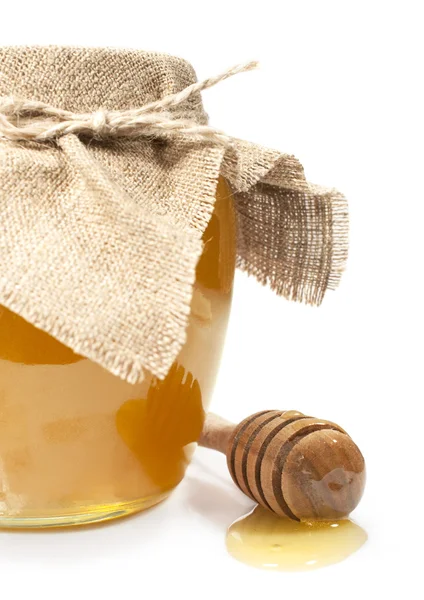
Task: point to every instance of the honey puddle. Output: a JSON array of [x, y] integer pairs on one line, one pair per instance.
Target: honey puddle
[[266, 541]]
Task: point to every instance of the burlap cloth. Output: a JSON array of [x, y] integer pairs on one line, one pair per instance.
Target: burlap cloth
[[99, 240]]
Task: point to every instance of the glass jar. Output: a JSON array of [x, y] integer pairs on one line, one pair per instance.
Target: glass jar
[[79, 445]]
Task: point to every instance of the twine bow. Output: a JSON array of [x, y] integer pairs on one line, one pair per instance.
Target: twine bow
[[30, 120]]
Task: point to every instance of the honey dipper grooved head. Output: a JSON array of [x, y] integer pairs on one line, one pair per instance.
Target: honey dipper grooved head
[[297, 466]]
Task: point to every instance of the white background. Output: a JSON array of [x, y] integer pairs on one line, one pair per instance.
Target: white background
[[340, 87]]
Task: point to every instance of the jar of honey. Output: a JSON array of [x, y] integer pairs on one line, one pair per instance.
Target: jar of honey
[[80, 445], [112, 309]]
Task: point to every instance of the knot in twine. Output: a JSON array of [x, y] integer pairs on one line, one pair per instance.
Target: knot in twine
[[30, 120]]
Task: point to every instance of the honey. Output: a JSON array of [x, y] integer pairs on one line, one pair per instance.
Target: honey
[[79, 445], [264, 540]]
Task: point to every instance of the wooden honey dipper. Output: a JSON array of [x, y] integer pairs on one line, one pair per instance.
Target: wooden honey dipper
[[296, 466]]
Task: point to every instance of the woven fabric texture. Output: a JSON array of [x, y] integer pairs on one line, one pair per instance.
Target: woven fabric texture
[[99, 239]]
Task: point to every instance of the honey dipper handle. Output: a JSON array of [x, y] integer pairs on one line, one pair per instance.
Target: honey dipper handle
[[216, 433]]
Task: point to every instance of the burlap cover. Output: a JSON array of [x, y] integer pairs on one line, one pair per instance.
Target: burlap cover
[[99, 239]]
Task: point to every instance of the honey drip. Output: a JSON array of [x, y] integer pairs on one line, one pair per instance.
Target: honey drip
[[262, 539]]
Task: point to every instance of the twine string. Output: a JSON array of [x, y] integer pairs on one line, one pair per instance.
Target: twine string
[[31, 120]]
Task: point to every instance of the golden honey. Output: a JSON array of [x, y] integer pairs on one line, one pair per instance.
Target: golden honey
[[264, 540], [79, 445]]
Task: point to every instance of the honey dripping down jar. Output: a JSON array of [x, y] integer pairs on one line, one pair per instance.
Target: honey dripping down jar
[[80, 445]]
